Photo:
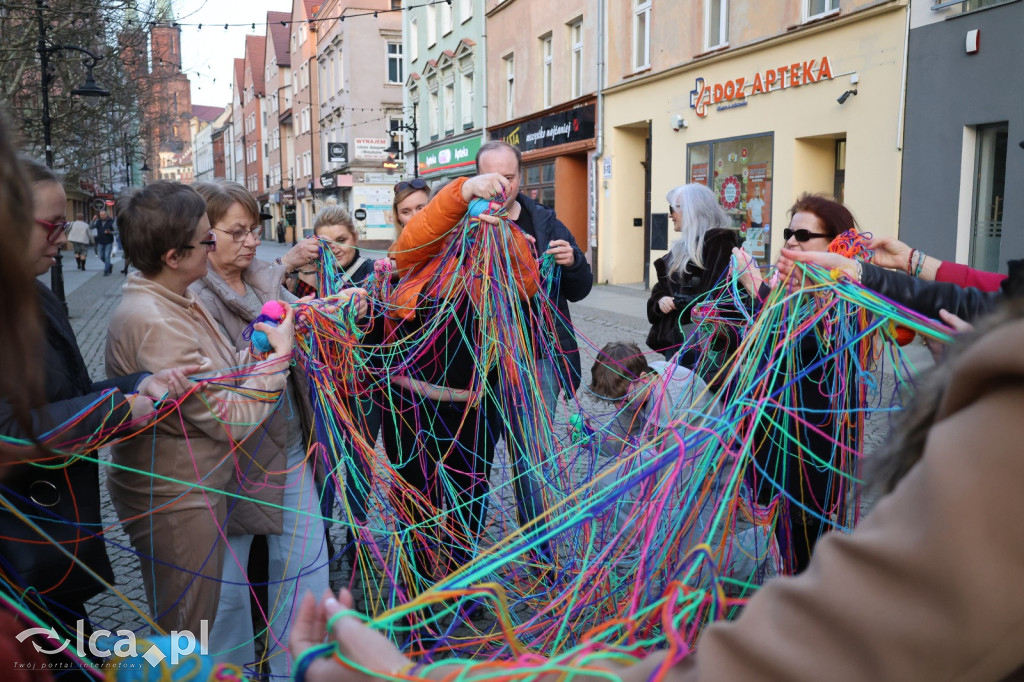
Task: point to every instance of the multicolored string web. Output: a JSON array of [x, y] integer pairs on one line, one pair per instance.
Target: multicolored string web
[[650, 526]]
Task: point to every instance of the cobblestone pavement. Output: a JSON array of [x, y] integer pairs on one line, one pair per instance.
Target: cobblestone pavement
[[610, 313]]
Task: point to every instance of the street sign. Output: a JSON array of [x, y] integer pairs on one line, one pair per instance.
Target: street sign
[[327, 181], [337, 152], [98, 204], [359, 214]]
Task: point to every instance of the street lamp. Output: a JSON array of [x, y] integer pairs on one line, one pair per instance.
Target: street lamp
[[394, 150], [88, 89]]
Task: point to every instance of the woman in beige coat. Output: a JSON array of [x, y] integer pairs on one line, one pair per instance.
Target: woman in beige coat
[[167, 489]]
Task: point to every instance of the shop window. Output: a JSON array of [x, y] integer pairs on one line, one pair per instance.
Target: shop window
[[971, 5], [538, 183], [989, 196], [739, 171]]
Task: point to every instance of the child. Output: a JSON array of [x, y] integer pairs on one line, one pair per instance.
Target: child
[[658, 406]]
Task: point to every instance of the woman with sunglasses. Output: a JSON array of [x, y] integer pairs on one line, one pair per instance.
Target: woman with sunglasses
[[272, 476], [411, 196], [64, 501], [807, 451], [167, 485], [692, 267]]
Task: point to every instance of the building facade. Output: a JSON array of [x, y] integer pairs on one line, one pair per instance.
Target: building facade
[[542, 78], [203, 123], [254, 115], [278, 135], [359, 103], [748, 97], [169, 104], [963, 147], [305, 118], [445, 56], [237, 160]]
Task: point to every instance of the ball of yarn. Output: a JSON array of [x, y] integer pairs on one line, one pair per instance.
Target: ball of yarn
[[260, 342], [478, 206], [274, 310]]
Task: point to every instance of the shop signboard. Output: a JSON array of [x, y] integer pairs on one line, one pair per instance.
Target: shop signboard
[[371, 148], [375, 202], [734, 92], [699, 173], [450, 156], [574, 125]]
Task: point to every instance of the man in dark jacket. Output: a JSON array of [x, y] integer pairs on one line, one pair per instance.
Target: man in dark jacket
[[530, 436], [104, 226]]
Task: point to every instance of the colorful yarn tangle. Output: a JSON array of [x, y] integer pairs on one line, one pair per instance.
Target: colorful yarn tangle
[[853, 244], [488, 521]]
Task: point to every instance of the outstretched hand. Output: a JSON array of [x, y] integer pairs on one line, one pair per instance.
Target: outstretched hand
[[824, 259], [890, 253], [354, 641], [749, 275]]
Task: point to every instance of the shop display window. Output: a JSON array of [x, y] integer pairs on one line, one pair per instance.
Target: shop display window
[[538, 183], [739, 171]]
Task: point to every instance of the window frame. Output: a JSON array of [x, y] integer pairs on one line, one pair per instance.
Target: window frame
[[510, 86], [465, 10], [641, 8], [722, 38], [396, 57], [547, 69], [447, 18], [576, 58], [414, 40], [466, 96], [431, 26], [805, 7]]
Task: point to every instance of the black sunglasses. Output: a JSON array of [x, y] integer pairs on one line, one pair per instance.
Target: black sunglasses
[[803, 235], [415, 183]]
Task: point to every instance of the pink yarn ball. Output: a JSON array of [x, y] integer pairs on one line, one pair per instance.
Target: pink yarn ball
[[274, 309]]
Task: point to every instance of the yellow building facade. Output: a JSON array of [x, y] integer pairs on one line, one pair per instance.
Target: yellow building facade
[[758, 120]]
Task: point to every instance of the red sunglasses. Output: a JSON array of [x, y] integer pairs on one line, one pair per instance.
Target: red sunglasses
[[53, 230]]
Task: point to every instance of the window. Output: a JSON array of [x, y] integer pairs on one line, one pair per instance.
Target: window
[[546, 61], [307, 162], [539, 183], [394, 62], [446, 18], [414, 40], [989, 196], [396, 4], [431, 25], [339, 80], [576, 42], [298, 164], [324, 78], [467, 100], [971, 5], [716, 23], [449, 106], [818, 8], [510, 87], [465, 10], [641, 34], [302, 34], [742, 183], [435, 113]]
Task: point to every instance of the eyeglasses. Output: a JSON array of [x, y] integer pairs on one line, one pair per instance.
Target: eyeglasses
[[803, 235], [53, 230], [240, 234], [415, 183], [210, 244]]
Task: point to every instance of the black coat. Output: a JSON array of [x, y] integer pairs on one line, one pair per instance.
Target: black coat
[[665, 335], [927, 298], [70, 396], [101, 227], [574, 284]]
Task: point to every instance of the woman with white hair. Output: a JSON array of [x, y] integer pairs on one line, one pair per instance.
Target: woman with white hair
[[694, 264]]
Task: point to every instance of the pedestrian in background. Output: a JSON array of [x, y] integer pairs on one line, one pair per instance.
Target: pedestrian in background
[[80, 236], [104, 227]]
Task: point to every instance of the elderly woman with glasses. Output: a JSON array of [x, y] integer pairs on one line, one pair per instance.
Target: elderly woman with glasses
[[272, 478], [168, 486]]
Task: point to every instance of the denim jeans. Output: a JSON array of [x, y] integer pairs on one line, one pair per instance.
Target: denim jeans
[[298, 564], [105, 255]]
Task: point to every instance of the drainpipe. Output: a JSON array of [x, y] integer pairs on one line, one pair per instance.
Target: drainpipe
[[482, 62], [599, 149]]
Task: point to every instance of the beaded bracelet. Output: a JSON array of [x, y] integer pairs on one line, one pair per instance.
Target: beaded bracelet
[[910, 260], [920, 263]]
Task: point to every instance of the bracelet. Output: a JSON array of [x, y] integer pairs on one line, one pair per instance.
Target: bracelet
[[860, 269], [910, 259], [920, 263]]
